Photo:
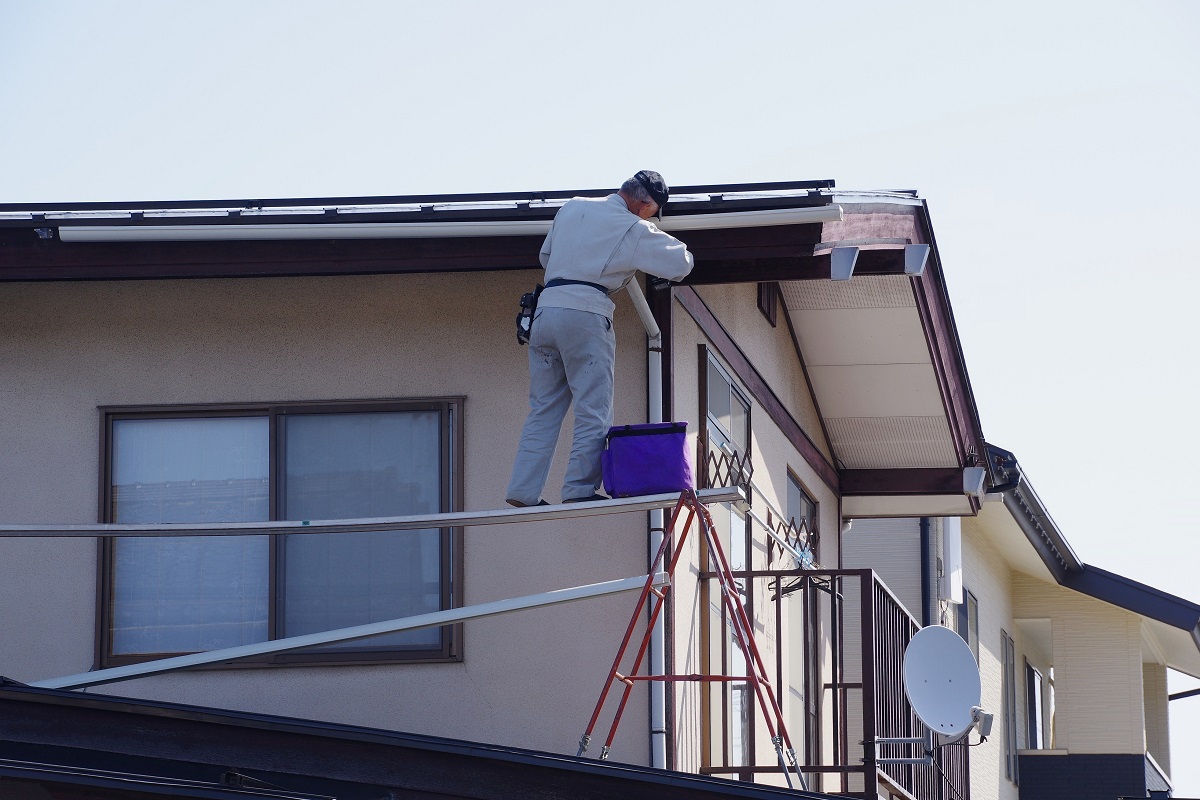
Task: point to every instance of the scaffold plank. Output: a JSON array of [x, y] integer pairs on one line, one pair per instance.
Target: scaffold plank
[[452, 519]]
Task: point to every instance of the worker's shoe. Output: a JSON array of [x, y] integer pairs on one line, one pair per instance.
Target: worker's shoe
[[591, 499], [519, 504]]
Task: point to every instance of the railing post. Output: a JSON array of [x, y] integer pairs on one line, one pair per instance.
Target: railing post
[[867, 634]]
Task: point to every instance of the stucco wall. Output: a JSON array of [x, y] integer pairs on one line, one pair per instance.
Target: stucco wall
[[528, 679], [773, 455], [770, 349]]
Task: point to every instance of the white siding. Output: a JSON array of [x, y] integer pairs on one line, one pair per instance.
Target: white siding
[[891, 547], [1158, 734], [1099, 700], [988, 577]]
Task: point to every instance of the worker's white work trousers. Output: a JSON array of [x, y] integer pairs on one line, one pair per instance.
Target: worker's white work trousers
[[571, 355]]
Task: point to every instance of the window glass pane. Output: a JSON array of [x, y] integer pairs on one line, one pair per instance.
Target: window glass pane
[[1033, 709], [738, 417], [739, 706], [1009, 697], [718, 397], [800, 506], [189, 593], [973, 625], [340, 466]]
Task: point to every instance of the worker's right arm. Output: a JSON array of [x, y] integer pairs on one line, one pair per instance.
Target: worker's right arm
[[661, 254]]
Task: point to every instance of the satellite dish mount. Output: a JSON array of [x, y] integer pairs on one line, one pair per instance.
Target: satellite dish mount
[[941, 681]]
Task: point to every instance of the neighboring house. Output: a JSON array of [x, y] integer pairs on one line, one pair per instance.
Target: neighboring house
[[371, 373], [1073, 659]]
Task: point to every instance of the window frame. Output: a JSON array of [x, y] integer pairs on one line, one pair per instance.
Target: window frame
[[709, 361], [1035, 693], [968, 621], [768, 302], [813, 529], [452, 452], [1008, 673]]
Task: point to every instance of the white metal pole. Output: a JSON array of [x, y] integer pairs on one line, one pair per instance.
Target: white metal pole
[[450, 519], [658, 661], [430, 620]]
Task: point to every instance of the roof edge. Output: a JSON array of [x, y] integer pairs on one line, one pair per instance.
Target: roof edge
[[1137, 597], [1072, 573], [11, 690]]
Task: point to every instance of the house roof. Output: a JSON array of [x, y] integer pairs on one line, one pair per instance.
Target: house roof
[[881, 349], [73, 734], [1034, 544]]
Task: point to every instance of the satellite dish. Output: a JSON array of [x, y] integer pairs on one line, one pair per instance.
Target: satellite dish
[[941, 680]]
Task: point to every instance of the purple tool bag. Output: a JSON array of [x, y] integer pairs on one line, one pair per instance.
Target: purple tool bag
[[652, 458]]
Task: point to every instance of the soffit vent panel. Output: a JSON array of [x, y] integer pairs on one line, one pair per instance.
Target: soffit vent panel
[[867, 291], [892, 442]]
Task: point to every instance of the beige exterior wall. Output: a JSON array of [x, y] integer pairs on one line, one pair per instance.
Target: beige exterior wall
[[1156, 704], [1099, 699], [770, 349], [987, 576], [528, 679], [773, 455]]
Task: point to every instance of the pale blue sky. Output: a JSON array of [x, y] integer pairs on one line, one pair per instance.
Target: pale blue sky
[[1054, 142]]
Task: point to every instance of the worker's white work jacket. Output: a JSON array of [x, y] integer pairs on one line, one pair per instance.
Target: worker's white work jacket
[[599, 240]]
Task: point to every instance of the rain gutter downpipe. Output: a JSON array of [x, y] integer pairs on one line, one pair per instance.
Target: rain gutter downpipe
[[658, 689], [926, 582]]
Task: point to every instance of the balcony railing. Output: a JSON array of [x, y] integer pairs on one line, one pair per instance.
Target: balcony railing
[[855, 626]]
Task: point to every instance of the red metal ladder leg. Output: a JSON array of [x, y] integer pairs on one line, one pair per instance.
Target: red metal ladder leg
[[660, 599], [743, 629]]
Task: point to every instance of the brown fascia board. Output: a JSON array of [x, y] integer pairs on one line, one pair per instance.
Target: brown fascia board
[[1069, 571], [901, 482], [31, 250], [722, 256], [25, 257], [945, 349]]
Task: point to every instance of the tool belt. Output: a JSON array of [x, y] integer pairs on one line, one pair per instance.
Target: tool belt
[[529, 302], [569, 282]]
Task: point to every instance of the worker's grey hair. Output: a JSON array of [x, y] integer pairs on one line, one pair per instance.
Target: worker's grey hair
[[633, 187]]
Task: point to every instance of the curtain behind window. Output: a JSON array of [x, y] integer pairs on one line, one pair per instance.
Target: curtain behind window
[[190, 593]]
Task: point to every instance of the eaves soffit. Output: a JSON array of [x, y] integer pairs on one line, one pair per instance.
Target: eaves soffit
[[997, 524], [883, 355]]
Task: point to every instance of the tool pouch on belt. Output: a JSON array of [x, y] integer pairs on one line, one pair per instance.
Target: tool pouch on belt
[[529, 302]]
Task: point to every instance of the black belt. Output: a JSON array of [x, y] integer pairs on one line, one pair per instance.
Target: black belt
[[569, 282]]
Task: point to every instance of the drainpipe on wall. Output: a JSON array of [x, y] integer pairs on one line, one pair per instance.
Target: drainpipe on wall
[[926, 590], [658, 689]]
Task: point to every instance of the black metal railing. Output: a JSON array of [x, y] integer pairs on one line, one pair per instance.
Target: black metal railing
[[945, 779], [855, 632]]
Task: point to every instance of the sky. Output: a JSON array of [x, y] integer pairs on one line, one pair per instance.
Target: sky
[[1055, 144]]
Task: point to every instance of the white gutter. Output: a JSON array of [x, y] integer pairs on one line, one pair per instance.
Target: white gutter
[[223, 231], [658, 661]]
